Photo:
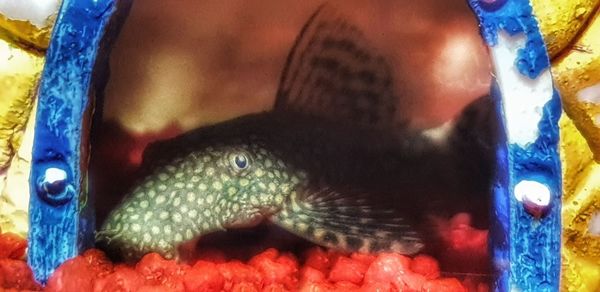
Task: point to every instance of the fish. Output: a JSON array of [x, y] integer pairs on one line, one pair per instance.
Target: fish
[[333, 162]]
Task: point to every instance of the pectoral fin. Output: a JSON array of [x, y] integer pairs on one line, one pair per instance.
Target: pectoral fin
[[348, 222]]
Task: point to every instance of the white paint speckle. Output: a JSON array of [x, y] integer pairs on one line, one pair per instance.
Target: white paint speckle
[[590, 94], [523, 98], [597, 120], [532, 191], [594, 227]]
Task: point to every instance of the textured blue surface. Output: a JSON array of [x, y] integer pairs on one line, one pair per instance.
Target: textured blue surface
[[514, 17], [57, 231], [525, 250]]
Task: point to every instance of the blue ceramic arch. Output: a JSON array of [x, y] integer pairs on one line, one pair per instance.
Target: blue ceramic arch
[[525, 243], [75, 71]]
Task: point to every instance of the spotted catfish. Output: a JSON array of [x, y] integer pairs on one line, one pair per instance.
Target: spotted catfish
[[332, 162]]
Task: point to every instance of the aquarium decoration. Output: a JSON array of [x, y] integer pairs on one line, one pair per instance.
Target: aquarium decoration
[[61, 224], [525, 233], [534, 186]]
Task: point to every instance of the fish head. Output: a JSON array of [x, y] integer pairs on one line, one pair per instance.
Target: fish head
[[210, 188]]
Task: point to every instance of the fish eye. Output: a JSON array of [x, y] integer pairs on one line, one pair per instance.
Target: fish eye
[[240, 161]]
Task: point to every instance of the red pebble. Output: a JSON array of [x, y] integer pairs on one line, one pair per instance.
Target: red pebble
[[346, 286], [15, 274], [277, 287], [161, 272], [426, 266], [244, 287], [349, 270], [79, 273], [317, 258], [310, 274], [12, 246], [444, 285], [387, 267], [363, 258], [236, 272], [123, 278], [276, 268], [203, 276], [378, 287], [316, 287], [394, 269]]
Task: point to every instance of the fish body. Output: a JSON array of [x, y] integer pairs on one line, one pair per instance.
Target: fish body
[[330, 163]]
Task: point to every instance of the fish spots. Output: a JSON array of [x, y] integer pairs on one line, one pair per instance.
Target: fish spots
[[217, 185], [144, 204], [207, 213], [162, 187], [179, 185], [148, 215], [301, 226], [280, 163], [200, 201], [259, 173], [176, 217], [189, 234], [179, 175], [176, 201], [193, 213], [285, 188], [178, 237], [202, 187], [231, 191], [209, 171], [183, 209], [151, 194], [163, 176], [244, 182], [278, 199], [195, 178], [167, 229], [235, 207], [224, 177], [268, 163], [160, 199], [163, 215], [147, 238], [162, 244], [155, 230], [205, 226], [190, 196], [210, 199], [136, 227]]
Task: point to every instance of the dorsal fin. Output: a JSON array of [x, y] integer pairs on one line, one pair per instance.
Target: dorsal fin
[[333, 72]]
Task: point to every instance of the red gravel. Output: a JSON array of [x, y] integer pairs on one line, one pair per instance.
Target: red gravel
[[271, 270]]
